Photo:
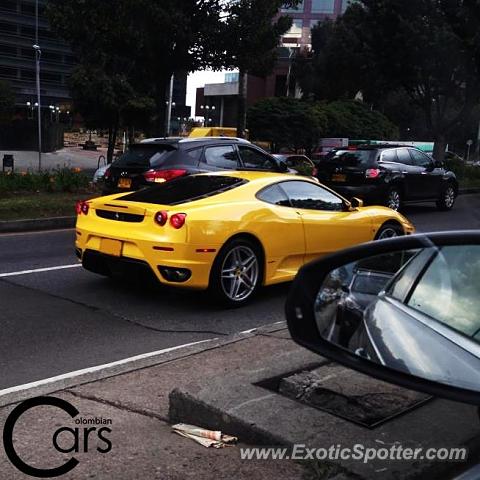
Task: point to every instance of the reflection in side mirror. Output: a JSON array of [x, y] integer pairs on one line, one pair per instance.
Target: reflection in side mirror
[[408, 315]]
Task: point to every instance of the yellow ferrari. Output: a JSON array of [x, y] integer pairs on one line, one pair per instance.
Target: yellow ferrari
[[229, 232]]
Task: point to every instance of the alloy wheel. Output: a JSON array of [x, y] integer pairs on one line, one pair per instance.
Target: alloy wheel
[[388, 232], [240, 271], [449, 197], [393, 200]]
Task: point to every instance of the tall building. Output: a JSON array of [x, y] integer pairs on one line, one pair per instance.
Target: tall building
[[17, 57], [281, 82]]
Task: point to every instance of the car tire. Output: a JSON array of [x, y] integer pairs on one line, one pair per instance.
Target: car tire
[[447, 198], [236, 273], [394, 198], [389, 230]]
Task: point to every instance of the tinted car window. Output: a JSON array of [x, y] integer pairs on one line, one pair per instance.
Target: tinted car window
[[185, 189], [352, 158], [222, 157], [311, 197], [403, 156], [419, 159], [275, 195], [452, 276], [189, 157], [254, 159], [145, 156], [389, 156]]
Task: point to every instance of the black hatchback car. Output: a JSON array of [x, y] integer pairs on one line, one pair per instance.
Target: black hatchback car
[[390, 176], [160, 160]]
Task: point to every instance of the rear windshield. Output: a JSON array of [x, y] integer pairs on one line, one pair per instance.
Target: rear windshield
[[144, 156], [352, 158], [185, 189]]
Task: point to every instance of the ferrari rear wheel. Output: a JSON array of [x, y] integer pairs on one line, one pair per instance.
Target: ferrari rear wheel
[[236, 273]]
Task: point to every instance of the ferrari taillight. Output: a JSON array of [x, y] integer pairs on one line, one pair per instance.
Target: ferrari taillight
[[82, 208], [178, 220], [161, 218]]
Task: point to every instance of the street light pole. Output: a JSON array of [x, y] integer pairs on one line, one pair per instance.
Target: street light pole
[[168, 121], [38, 54]]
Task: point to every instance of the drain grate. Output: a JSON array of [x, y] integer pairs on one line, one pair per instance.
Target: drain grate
[[347, 394]]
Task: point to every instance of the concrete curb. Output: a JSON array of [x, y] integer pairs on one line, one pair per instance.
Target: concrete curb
[[101, 372], [36, 224]]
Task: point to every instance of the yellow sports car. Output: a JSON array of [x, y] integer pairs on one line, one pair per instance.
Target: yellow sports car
[[228, 232]]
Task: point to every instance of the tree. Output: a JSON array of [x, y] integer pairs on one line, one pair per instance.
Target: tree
[[128, 50], [251, 35], [425, 50], [287, 123], [7, 101], [353, 119]]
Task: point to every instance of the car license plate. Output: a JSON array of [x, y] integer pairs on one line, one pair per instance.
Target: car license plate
[[124, 183], [338, 177], [111, 247]]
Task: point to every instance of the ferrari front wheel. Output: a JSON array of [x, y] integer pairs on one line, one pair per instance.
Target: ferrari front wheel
[[236, 273]]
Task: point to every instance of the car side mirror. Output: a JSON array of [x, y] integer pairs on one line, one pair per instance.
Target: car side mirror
[[282, 166], [356, 203], [404, 310]]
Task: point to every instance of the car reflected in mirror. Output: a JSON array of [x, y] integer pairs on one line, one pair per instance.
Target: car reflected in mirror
[[405, 310]]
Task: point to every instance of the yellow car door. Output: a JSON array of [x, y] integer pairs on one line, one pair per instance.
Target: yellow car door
[[283, 235], [328, 226]]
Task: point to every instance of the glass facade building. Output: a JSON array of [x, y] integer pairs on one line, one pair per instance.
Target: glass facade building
[[17, 57]]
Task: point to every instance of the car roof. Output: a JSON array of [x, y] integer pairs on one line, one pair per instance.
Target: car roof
[[258, 176], [200, 141], [374, 147]]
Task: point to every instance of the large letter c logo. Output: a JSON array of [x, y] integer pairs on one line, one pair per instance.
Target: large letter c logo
[[12, 419]]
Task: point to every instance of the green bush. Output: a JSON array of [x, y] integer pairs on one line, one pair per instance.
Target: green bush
[[467, 175], [60, 180]]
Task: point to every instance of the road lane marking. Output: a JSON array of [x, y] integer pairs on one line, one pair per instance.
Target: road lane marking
[[39, 270], [35, 232]]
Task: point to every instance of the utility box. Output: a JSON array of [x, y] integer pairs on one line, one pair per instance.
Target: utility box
[[8, 162]]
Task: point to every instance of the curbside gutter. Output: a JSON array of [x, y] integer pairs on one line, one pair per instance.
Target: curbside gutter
[[69, 222]]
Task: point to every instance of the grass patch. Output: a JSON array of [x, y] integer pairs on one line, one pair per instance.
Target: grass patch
[[39, 205]]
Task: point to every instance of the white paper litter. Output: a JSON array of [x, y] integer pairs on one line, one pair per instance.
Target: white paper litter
[[207, 438]]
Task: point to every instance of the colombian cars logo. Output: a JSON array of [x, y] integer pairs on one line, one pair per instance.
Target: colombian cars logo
[[64, 439]]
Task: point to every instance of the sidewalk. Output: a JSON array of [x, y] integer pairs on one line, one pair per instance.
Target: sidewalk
[[219, 377]]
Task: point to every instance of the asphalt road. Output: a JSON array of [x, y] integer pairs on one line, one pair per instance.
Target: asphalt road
[[59, 321]]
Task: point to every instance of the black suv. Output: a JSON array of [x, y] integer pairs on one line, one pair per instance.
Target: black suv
[[159, 160], [389, 176]]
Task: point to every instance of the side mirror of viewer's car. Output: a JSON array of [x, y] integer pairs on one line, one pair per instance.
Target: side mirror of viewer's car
[[404, 310]]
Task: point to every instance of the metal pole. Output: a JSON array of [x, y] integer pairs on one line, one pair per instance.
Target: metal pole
[[38, 54], [169, 107], [477, 147]]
